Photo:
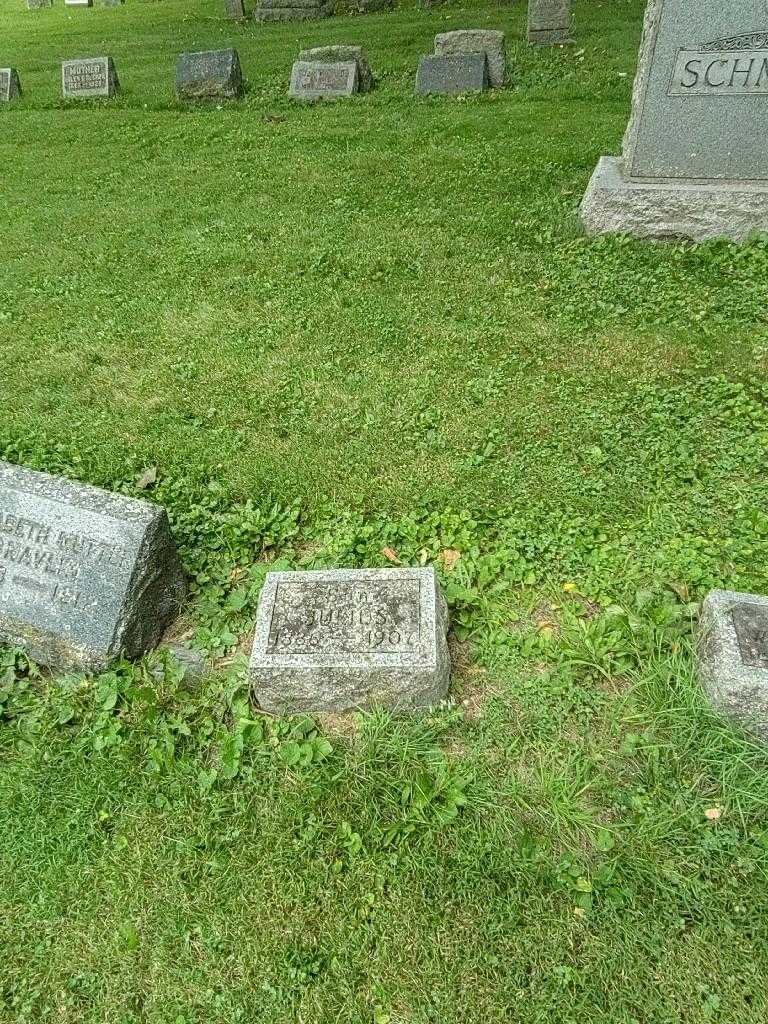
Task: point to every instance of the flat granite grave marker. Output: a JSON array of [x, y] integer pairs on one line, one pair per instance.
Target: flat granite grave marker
[[549, 22], [94, 76], [478, 40], [315, 80], [341, 639], [10, 87], [694, 160], [85, 575], [78, 3], [733, 657], [339, 54], [210, 74], [451, 75], [37, 5]]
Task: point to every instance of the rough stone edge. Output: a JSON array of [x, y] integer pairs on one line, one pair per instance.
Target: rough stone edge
[[155, 592], [729, 685], [644, 62], [613, 204]]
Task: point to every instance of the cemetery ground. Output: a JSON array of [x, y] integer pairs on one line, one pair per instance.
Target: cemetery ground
[[360, 334]]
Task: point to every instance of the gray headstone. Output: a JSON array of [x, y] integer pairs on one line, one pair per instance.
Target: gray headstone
[[350, 638], [549, 22], [694, 160], [291, 10], [486, 41], [37, 5], [113, 3], [733, 657], [341, 54], [85, 575], [94, 76], [314, 80], [78, 3], [211, 74], [452, 75], [235, 9], [10, 87]]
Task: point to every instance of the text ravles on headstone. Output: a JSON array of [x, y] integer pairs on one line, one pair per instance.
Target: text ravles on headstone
[[342, 639], [84, 574], [312, 80], [94, 76]]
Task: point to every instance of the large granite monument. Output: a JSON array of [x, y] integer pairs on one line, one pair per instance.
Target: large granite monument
[[733, 657], [85, 575], [85, 79], [694, 161], [342, 639], [549, 22], [10, 86], [477, 40], [450, 75], [209, 74]]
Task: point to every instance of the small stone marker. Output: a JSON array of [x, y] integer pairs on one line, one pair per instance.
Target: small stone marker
[[694, 162], [450, 76], [339, 55], [733, 657], [211, 74], [82, 79], [37, 5], [549, 22], [341, 639], [491, 43], [85, 575], [235, 9], [314, 80], [78, 3], [10, 87], [113, 3], [292, 10]]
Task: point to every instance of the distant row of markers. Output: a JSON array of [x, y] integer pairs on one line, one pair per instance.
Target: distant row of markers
[[464, 61]]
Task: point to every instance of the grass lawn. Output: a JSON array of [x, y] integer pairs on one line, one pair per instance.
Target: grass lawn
[[332, 330]]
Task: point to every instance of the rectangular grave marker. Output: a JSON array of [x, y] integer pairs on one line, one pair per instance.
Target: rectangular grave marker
[[82, 79], [10, 87], [209, 74], [78, 3], [85, 575], [315, 80], [694, 161], [37, 5], [475, 40], [549, 22], [452, 75], [234, 9], [733, 656], [340, 639]]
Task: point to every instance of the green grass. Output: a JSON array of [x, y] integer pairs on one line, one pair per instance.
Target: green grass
[[334, 329]]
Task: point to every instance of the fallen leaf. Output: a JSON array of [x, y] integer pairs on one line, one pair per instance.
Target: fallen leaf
[[450, 557], [147, 478], [682, 592], [713, 814], [391, 555]]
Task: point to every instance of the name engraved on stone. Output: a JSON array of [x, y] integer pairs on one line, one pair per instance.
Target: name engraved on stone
[[751, 624], [339, 639], [85, 575], [348, 618], [720, 73], [324, 78], [83, 76]]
